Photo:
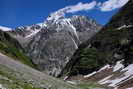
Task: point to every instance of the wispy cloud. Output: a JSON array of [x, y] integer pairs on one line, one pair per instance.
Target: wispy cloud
[[82, 7], [72, 9], [110, 5]]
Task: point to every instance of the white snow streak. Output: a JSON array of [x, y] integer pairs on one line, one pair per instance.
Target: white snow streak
[[125, 26], [71, 82], [105, 80], [118, 66], [125, 77], [130, 88], [5, 28], [105, 67], [89, 75], [32, 34]]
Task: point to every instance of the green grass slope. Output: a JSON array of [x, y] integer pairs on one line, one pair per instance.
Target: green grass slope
[[15, 75]]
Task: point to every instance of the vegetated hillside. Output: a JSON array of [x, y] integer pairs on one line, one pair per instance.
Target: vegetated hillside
[[113, 43], [52, 43], [11, 47], [14, 75], [123, 17]]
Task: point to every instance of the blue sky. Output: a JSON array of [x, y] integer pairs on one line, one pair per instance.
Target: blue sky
[[14, 13]]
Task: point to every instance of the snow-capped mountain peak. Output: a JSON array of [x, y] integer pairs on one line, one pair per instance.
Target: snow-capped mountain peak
[[56, 15], [27, 31], [53, 35]]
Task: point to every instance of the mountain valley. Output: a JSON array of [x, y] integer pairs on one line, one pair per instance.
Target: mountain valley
[[69, 53]]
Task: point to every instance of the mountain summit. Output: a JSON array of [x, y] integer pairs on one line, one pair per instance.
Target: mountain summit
[[52, 43]]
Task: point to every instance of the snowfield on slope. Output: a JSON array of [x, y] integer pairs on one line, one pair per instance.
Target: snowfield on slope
[[119, 75]]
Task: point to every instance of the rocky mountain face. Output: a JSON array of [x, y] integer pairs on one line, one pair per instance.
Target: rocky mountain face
[[52, 43], [24, 34], [112, 44], [17, 71]]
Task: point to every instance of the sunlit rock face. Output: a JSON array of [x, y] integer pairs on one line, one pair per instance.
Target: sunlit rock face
[[52, 43]]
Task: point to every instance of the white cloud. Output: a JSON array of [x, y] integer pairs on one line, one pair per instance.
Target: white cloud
[[81, 6], [72, 9], [108, 5], [112, 5]]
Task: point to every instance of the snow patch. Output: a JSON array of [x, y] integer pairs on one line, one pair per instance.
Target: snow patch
[[105, 80], [125, 77], [89, 75], [118, 66], [56, 15], [1, 87], [125, 26], [105, 67], [32, 34], [76, 46], [5, 28], [42, 24], [66, 78], [129, 70], [115, 82], [112, 83], [71, 82]]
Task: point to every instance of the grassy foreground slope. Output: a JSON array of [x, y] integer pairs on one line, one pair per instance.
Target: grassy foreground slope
[[14, 75]]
